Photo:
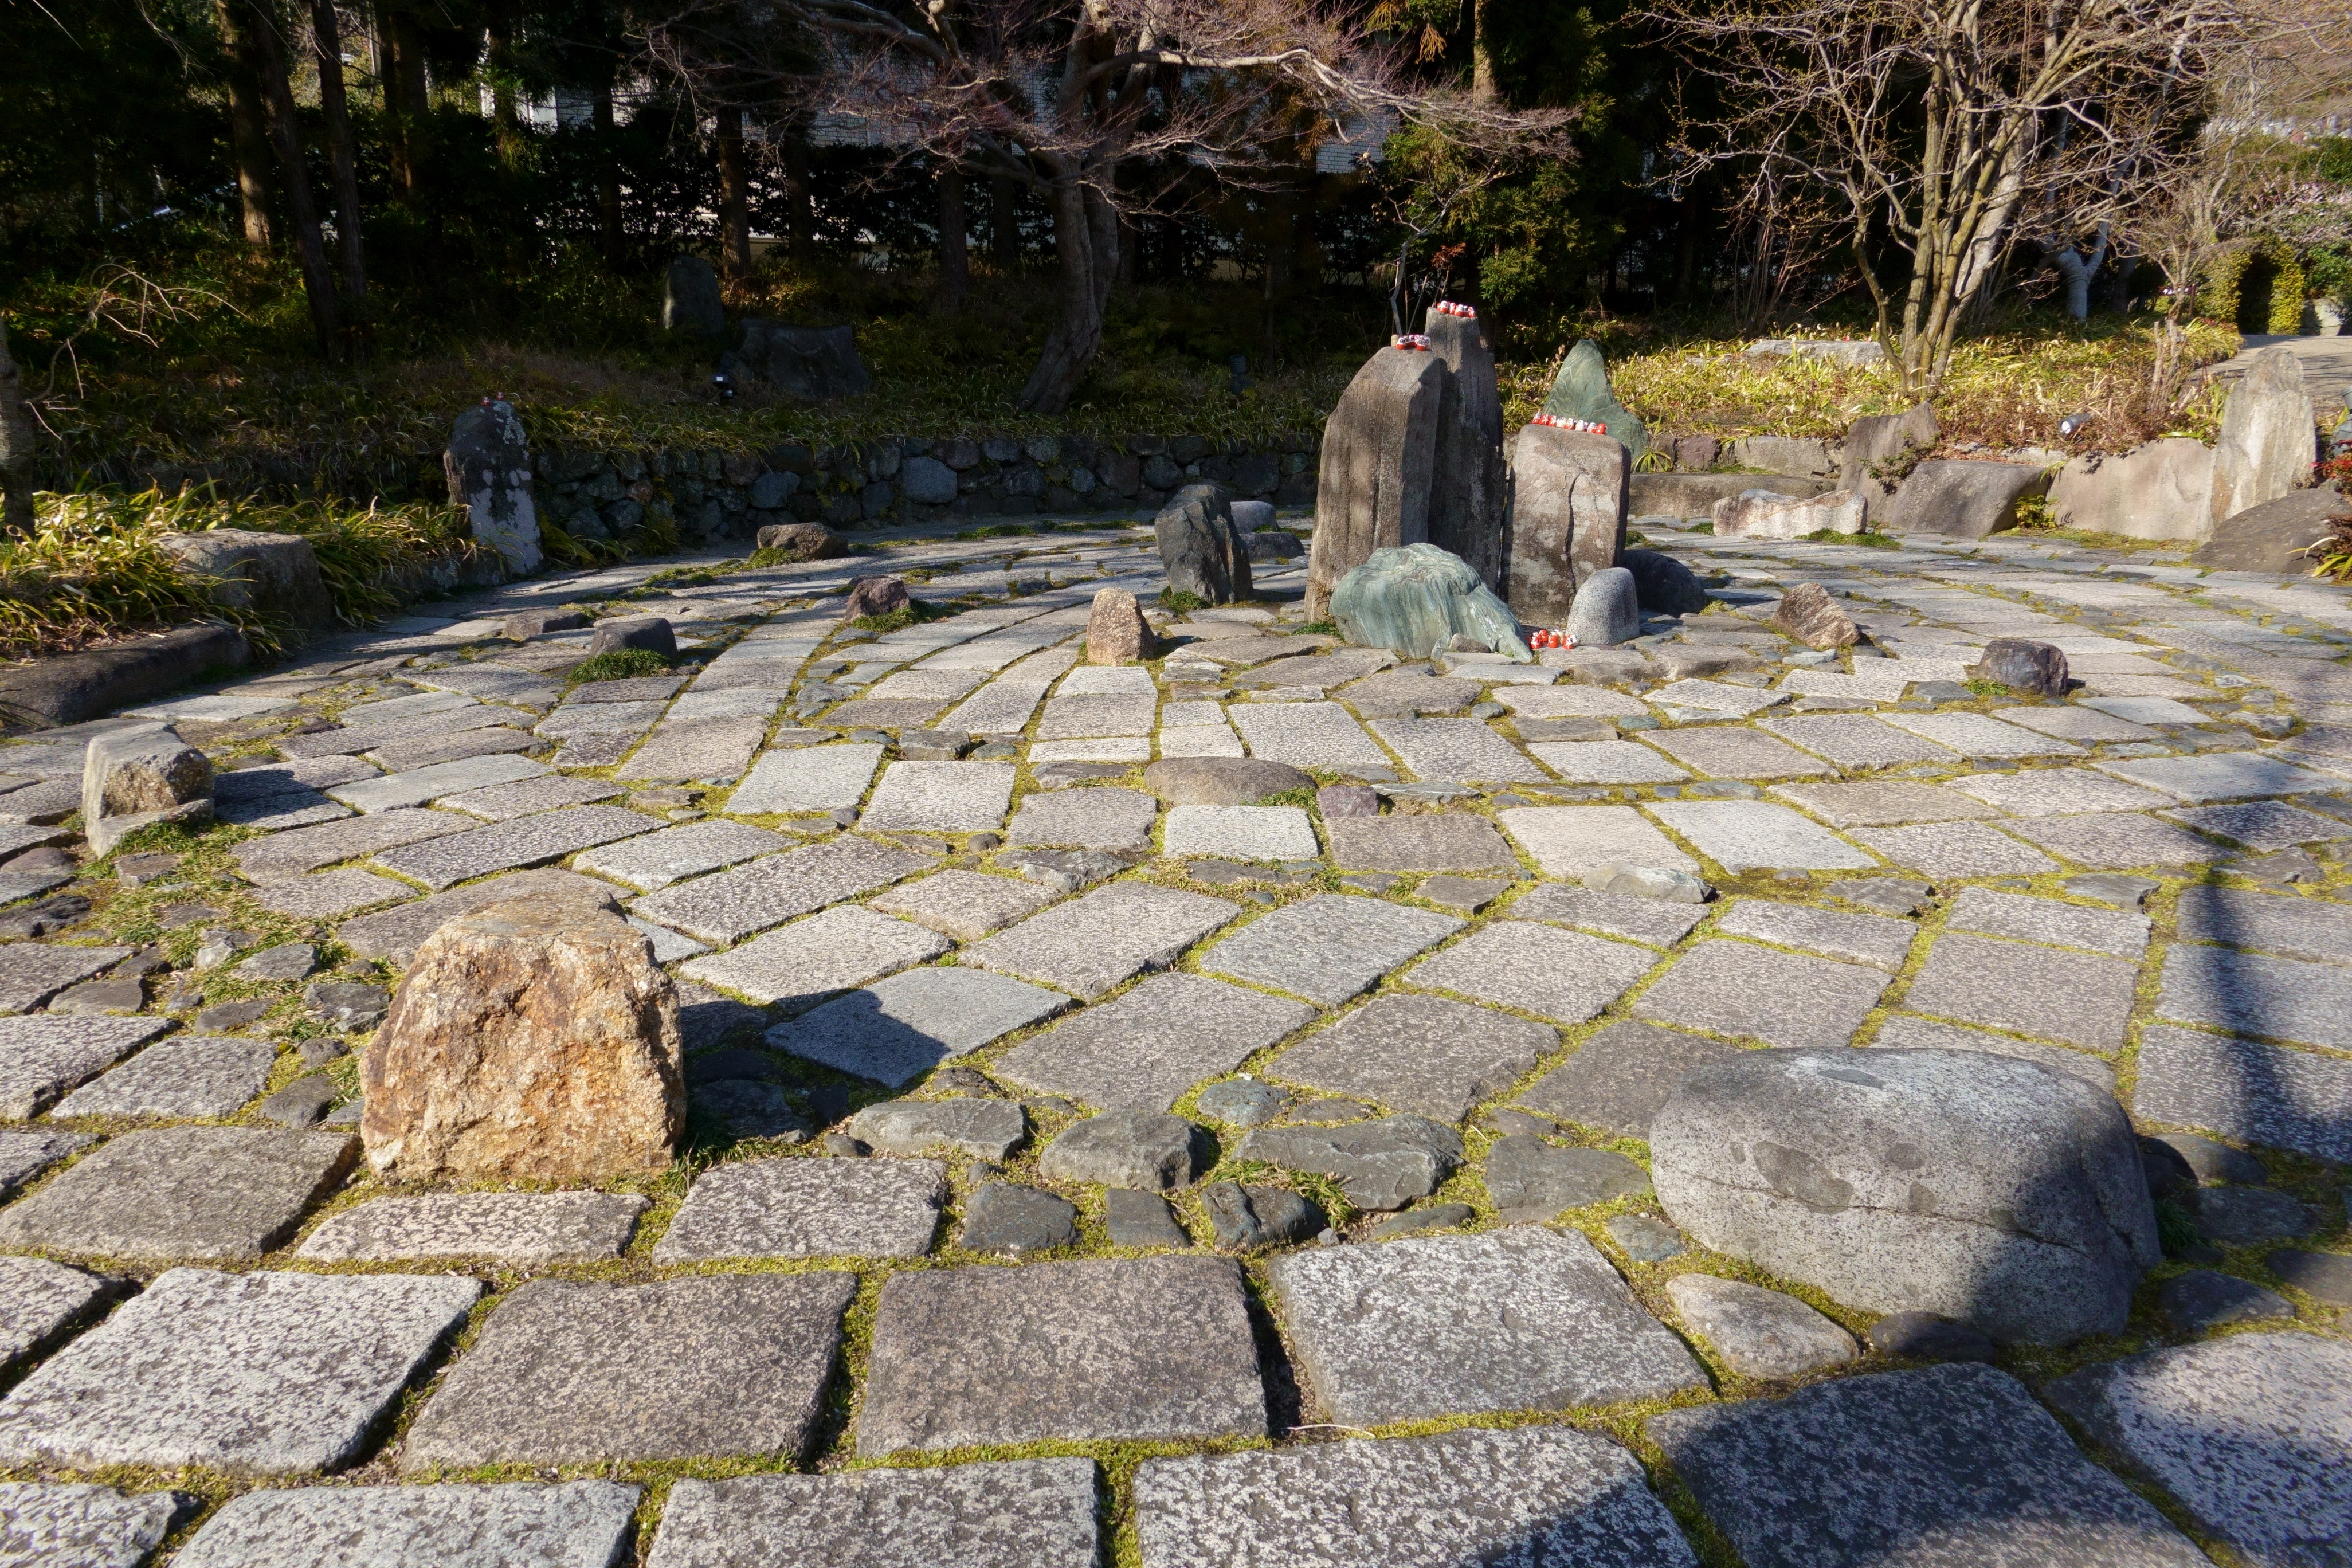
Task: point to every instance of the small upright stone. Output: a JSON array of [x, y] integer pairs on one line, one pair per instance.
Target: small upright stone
[[487, 463], [1808, 613], [528, 1039], [1242, 1218], [1607, 610], [134, 778], [1117, 632], [651, 633], [690, 302], [1202, 548], [531, 625], [2022, 666], [875, 596]]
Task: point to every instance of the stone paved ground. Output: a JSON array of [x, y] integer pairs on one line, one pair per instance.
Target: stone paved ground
[[872, 1320]]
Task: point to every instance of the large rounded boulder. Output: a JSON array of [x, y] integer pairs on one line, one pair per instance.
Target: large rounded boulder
[[1980, 1188]]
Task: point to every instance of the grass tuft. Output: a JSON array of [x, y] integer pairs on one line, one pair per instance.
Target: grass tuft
[[620, 664], [914, 612]]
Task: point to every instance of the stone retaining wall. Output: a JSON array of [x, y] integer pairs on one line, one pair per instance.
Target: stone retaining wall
[[711, 496]]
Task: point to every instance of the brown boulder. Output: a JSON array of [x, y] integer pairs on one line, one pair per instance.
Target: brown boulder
[[533, 1039], [803, 541], [1808, 613], [875, 596], [1222, 780], [1117, 632], [2272, 536]]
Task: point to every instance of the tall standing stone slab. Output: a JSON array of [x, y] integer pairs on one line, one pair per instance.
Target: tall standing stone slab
[[690, 303], [1872, 454], [2267, 443], [1022, 1513], [269, 1372], [488, 465], [213, 1193], [1099, 1350], [1568, 509], [577, 1524], [1467, 495], [2160, 490], [1581, 390], [1379, 465]]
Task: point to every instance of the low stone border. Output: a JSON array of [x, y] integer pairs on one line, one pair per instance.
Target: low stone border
[[69, 688]]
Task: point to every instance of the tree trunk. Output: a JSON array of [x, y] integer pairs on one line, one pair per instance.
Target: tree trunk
[[1086, 256], [1004, 227], [800, 217], [248, 140], [734, 197], [955, 251], [258, 39], [327, 34], [608, 169], [16, 447], [506, 126]]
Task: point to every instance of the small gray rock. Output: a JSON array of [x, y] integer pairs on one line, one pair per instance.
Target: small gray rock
[[348, 1005], [983, 1129], [286, 960], [1759, 1333], [1382, 1165], [1646, 1240], [1531, 1179], [1660, 882], [2216, 1161], [2247, 1216], [228, 1016], [1607, 610], [1126, 1149], [2326, 1276], [1423, 1220], [747, 1108], [1335, 801], [216, 945], [1889, 895], [1141, 1219], [1062, 870], [2201, 1300], [1004, 1216], [2113, 888], [1245, 1218], [301, 1104], [1241, 1102]]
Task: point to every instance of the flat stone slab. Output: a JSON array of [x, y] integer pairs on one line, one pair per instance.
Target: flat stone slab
[[1955, 849], [521, 1230], [1649, 921], [1565, 977], [389, 792], [1963, 1468], [964, 1124], [2085, 725], [1729, 751], [808, 1208], [729, 905], [1879, 941], [801, 964], [578, 1522], [1749, 835], [275, 1373], [190, 1074], [1422, 841], [707, 1366], [1382, 1165], [1882, 803], [282, 857], [901, 1026], [1144, 1050], [1456, 749], [39, 1300], [2297, 927], [42, 1057], [49, 1526], [210, 1193], [1022, 1513], [1241, 832], [810, 778], [1420, 1054], [1094, 714], [2118, 839], [1568, 702], [1569, 840], [508, 846], [1620, 1077], [1132, 1349], [2251, 994], [2223, 775], [502, 803], [1857, 739], [2058, 791], [1552, 1494], [1975, 735], [2264, 824], [1330, 947], [1607, 763], [1781, 999], [1307, 735], [940, 798], [24, 1155], [2270, 1095], [1758, 1332], [1716, 697], [31, 972], [331, 895], [1525, 1318], [1096, 941], [1909, 1032], [1101, 818], [966, 905], [2117, 932], [715, 749], [397, 933], [655, 860]]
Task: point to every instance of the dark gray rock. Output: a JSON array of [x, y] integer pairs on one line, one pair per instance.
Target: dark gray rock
[[348, 1005], [1646, 1240], [1378, 464], [1531, 1179], [1004, 1217], [651, 633], [2201, 1300], [529, 624], [1241, 1102], [2247, 1216], [1923, 1336], [1141, 1219], [2169, 1175], [2211, 1162], [690, 302], [816, 362], [1243, 1218], [1663, 584], [1621, 1076], [2272, 535], [1382, 1165], [70, 687], [1468, 485], [1963, 499], [301, 1104], [983, 1129], [2326, 1276], [2037, 668], [1126, 1149], [273, 575], [1421, 1221], [1201, 549]]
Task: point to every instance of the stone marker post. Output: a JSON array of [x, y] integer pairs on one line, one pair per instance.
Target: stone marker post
[[488, 465], [1379, 456], [1465, 503], [1568, 516], [2269, 438]]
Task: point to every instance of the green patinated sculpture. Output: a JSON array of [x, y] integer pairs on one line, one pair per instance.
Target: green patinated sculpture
[[1580, 391], [1412, 600]]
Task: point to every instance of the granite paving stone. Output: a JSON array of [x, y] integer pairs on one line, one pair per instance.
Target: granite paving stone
[[271, 813], [1943, 1467], [728, 905], [1001, 707], [2228, 775], [423, 751], [2264, 824], [1145, 1049], [269, 1372], [1526, 1318], [966, 905], [902, 713], [188, 1075], [1330, 947], [26, 1155], [395, 933], [1532, 1181], [2042, 991], [1730, 751], [42, 1057], [1115, 749], [1857, 739], [1881, 802], [577, 1372], [1307, 735], [1097, 941], [1955, 849], [964, 1124], [907, 1023], [1569, 840], [596, 751], [1781, 999], [801, 964], [1199, 741], [2117, 932], [2058, 791], [1456, 749], [1085, 715], [1619, 1077], [1101, 818], [2298, 927], [1566, 702], [1649, 921], [1607, 762], [1975, 735], [208, 1193], [1419, 841], [2251, 994], [808, 1208], [1879, 941], [715, 749], [929, 682], [576, 1524], [31, 972], [810, 778], [655, 860], [551, 792], [295, 778], [38, 1301], [1758, 1332], [1551, 1495], [1716, 696], [1013, 1218], [1097, 1349], [2085, 725], [1240, 832], [1565, 977], [1397, 692], [520, 1230], [940, 798], [1908, 1032], [283, 857], [1020, 1513], [1746, 835], [390, 792], [46, 1525], [1424, 1055], [1132, 1219], [508, 846], [2118, 839]]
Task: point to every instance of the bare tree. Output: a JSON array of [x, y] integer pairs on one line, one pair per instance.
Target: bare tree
[[16, 447], [1058, 95], [1935, 126]]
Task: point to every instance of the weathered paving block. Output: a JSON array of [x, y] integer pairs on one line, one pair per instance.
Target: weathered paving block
[[1524, 1319], [1456, 749], [580, 1373], [2298, 927], [1382, 1165], [1857, 739], [24, 1155], [39, 1299], [275, 1373], [1104, 819], [715, 749], [800, 964], [1141, 1348], [1144, 1050], [1023, 1513], [2252, 1434], [578, 1524], [2251, 993], [331, 895], [212, 1193], [2229, 775], [31, 972], [2118, 839], [1638, 920], [1569, 840], [808, 1208], [1445, 841], [2117, 932], [966, 1125], [1879, 941], [1607, 763], [1330, 947], [2042, 991], [397, 933], [2264, 825], [1975, 735], [508, 846], [2058, 791], [1955, 849], [1419, 1054], [83, 1526], [965, 905], [1729, 751], [1945, 1466], [191, 1075], [1307, 735], [1539, 1495], [1908, 1032], [2270, 1095], [282, 857], [1093, 942], [522, 1230], [1619, 1077], [389, 792], [1240, 833], [729, 905], [1881, 802], [907, 1023], [1562, 975], [657, 859], [1747, 834], [1780, 998], [41, 1057], [940, 798]]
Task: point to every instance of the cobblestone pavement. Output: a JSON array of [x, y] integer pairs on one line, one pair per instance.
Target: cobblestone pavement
[[1080, 1176]]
